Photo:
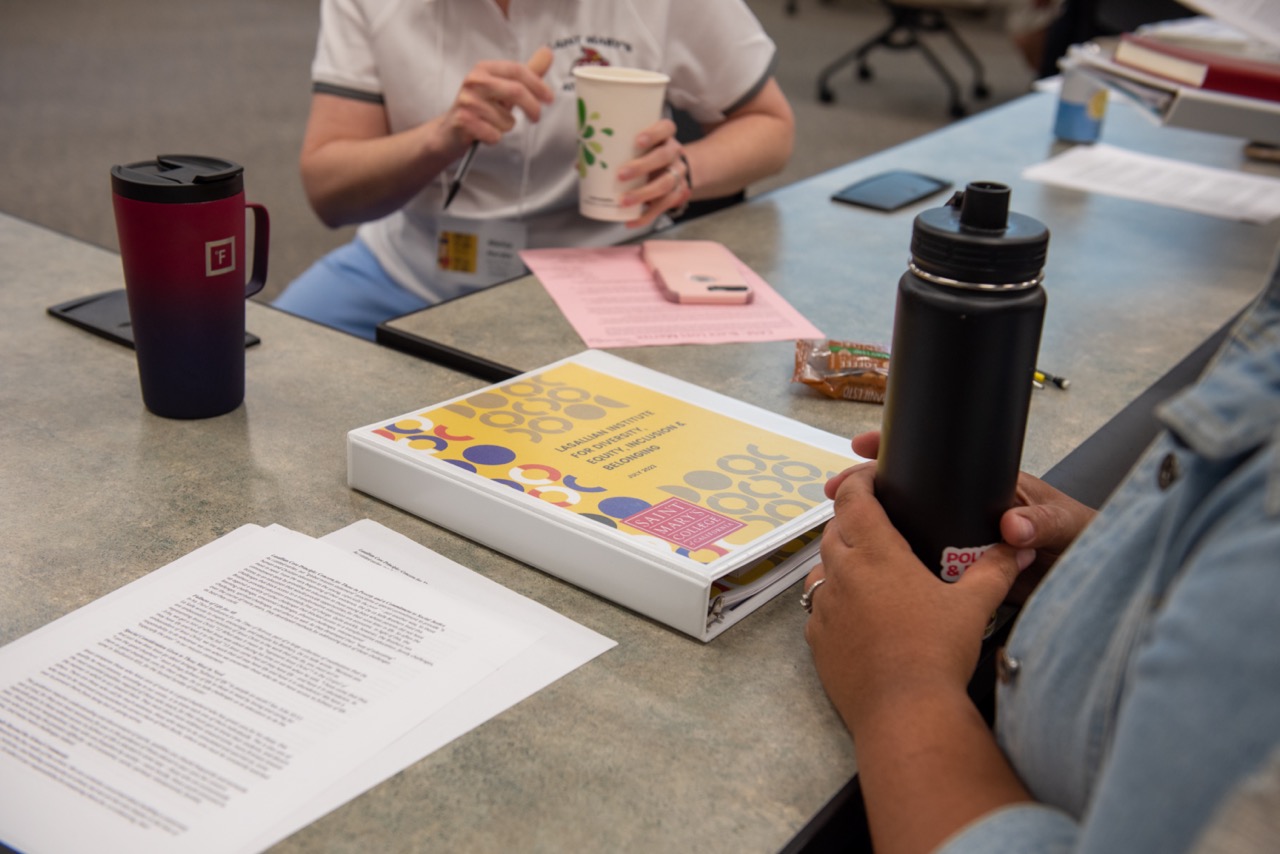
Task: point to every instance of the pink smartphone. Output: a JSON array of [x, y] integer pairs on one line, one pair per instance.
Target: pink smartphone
[[696, 271]]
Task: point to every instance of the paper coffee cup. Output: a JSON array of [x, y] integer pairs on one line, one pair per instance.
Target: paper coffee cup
[[614, 106]]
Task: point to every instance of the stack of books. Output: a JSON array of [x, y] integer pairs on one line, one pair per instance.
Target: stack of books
[[1227, 86], [1200, 68]]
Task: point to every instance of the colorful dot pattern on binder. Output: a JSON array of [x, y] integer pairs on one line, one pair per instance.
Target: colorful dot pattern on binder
[[676, 476]]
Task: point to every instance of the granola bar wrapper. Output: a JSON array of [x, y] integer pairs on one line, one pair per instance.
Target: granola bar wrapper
[[844, 370]]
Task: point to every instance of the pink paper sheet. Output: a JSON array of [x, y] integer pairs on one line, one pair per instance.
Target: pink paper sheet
[[610, 298]]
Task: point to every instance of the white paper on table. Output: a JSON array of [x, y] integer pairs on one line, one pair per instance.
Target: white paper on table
[[1204, 33], [1258, 18], [610, 298], [1102, 168], [563, 647], [191, 708]]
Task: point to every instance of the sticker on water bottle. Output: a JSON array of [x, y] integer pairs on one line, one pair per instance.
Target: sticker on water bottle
[[956, 560]]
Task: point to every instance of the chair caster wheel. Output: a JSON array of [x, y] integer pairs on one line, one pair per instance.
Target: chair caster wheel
[[980, 90], [958, 111], [825, 95], [864, 73]]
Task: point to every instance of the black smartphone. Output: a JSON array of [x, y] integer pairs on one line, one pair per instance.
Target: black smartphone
[[891, 190], [107, 315]]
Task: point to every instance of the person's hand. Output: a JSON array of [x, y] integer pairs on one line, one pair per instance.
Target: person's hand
[[668, 185], [484, 108], [1045, 519], [882, 627]]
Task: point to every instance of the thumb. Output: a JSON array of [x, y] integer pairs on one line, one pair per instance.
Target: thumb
[[1039, 526], [538, 65], [540, 62], [993, 574]]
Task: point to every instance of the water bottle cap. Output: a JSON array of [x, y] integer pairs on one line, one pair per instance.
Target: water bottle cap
[[178, 179], [975, 238]]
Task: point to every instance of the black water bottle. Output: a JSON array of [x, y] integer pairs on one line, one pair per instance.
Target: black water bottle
[[965, 336]]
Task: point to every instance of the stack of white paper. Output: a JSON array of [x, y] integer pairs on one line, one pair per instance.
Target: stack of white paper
[[265, 675], [1113, 171]]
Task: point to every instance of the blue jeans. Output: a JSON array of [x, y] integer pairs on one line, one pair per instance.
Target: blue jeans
[[348, 290]]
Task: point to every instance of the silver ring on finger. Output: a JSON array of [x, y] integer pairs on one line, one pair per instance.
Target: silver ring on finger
[[806, 598], [677, 178]]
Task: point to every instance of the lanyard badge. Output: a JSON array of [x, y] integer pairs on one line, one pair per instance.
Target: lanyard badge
[[479, 252]]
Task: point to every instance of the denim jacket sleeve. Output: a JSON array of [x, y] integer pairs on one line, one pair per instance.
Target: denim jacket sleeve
[[1148, 683]]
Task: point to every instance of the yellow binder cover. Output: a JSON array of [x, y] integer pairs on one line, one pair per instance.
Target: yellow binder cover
[[648, 485]]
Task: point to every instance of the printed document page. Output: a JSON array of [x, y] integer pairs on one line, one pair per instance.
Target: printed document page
[[562, 647], [1113, 171], [1258, 18], [610, 297], [190, 709]]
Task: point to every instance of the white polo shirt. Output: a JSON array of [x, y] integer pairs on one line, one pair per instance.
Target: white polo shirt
[[412, 55]]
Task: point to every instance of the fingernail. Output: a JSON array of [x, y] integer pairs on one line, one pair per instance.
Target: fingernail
[[624, 174], [642, 141], [1022, 530], [1025, 558]]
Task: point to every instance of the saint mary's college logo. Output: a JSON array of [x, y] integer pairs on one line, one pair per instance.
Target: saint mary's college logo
[[590, 56]]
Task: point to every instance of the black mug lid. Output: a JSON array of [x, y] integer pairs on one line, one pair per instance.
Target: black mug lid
[[178, 179]]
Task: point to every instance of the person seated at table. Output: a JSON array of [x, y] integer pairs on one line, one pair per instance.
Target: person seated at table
[[401, 92], [1140, 686], [1028, 23]]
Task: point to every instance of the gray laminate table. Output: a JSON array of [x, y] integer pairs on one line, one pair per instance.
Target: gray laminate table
[[1132, 287], [660, 744]]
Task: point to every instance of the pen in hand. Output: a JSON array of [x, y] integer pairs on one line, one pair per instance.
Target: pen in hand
[[456, 183], [539, 63]]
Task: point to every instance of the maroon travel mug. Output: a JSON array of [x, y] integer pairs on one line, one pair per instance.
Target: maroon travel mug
[[181, 222]]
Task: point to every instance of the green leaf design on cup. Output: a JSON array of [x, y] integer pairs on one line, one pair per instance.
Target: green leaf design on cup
[[588, 147]]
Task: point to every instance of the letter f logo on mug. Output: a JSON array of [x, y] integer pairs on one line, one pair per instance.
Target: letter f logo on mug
[[220, 257]]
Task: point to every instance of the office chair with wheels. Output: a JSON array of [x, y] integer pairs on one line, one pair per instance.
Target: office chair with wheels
[[908, 19]]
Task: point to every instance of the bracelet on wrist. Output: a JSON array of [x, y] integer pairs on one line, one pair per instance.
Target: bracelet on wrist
[[688, 180], [688, 172]]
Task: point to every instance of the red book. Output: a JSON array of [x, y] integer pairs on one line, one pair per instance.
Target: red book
[[1203, 69]]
